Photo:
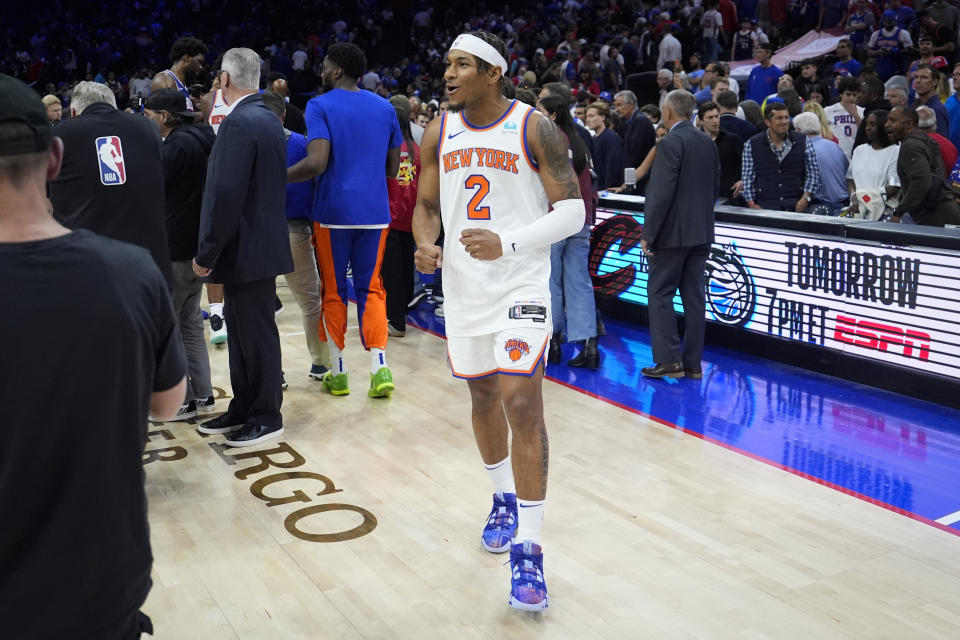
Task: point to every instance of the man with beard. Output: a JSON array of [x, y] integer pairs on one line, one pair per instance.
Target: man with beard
[[352, 135], [186, 62], [925, 195]]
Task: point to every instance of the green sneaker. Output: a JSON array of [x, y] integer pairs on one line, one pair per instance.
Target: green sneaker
[[338, 385], [381, 383]]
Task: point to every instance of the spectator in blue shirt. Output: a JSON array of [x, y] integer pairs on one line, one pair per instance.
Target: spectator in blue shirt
[[847, 64], [709, 94], [905, 15], [953, 110], [831, 195], [833, 14], [763, 79]]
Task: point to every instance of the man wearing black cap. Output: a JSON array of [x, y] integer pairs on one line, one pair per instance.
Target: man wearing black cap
[[110, 182], [186, 148], [90, 346]]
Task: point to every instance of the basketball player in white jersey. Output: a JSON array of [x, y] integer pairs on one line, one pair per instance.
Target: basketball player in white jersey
[[219, 109], [214, 108], [490, 168]]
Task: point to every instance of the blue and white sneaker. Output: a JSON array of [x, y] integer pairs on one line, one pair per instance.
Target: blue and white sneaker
[[528, 589], [501, 523]]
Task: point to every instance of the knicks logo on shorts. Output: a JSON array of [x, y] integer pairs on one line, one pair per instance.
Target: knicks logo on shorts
[[113, 170], [516, 348]]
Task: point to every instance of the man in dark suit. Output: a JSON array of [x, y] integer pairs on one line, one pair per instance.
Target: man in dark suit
[[677, 233], [729, 146], [639, 136], [729, 122], [244, 245]]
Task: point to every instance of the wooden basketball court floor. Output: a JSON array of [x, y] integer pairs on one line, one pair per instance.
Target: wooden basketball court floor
[[378, 506]]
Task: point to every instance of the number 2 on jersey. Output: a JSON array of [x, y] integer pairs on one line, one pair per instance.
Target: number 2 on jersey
[[474, 210]]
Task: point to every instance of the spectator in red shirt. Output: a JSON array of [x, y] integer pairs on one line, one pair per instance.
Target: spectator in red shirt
[[928, 125], [587, 87], [729, 12], [778, 16], [396, 269]]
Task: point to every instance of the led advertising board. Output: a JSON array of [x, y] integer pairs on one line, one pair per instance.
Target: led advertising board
[[898, 305]]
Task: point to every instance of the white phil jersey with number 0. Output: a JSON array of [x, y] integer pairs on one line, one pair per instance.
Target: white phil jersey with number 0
[[219, 111], [489, 180]]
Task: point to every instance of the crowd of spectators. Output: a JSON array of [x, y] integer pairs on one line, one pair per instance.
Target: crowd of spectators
[[629, 53]]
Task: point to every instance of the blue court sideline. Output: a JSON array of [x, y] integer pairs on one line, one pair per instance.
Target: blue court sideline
[[891, 450]]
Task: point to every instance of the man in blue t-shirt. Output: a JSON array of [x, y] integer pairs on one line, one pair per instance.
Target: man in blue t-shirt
[[846, 64], [764, 77], [953, 109], [352, 135]]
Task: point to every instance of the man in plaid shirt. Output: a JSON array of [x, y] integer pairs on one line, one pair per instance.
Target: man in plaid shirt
[[779, 169]]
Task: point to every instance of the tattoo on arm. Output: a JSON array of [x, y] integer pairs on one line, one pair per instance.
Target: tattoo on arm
[[544, 454], [555, 150]]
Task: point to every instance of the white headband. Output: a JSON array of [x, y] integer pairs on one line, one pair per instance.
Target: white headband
[[476, 46]]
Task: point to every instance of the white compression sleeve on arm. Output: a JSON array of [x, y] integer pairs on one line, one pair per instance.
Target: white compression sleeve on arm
[[566, 219]]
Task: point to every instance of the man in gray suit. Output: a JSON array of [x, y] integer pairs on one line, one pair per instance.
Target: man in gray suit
[[677, 233]]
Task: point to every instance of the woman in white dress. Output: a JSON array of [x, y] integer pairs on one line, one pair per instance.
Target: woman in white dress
[[872, 175]]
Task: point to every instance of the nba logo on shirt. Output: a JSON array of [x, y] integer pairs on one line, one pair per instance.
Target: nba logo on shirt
[[110, 154]]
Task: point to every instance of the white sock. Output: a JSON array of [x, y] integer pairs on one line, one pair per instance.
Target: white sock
[[336, 357], [216, 309], [529, 520], [378, 360], [501, 475]]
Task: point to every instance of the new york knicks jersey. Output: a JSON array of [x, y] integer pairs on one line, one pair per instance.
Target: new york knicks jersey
[[489, 180], [219, 110]]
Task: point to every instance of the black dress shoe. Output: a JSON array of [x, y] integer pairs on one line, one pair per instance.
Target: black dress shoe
[[554, 354], [251, 434], [221, 424], [588, 357], [694, 374], [670, 370]]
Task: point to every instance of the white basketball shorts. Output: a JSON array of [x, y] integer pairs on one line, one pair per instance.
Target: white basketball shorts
[[515, 352]]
